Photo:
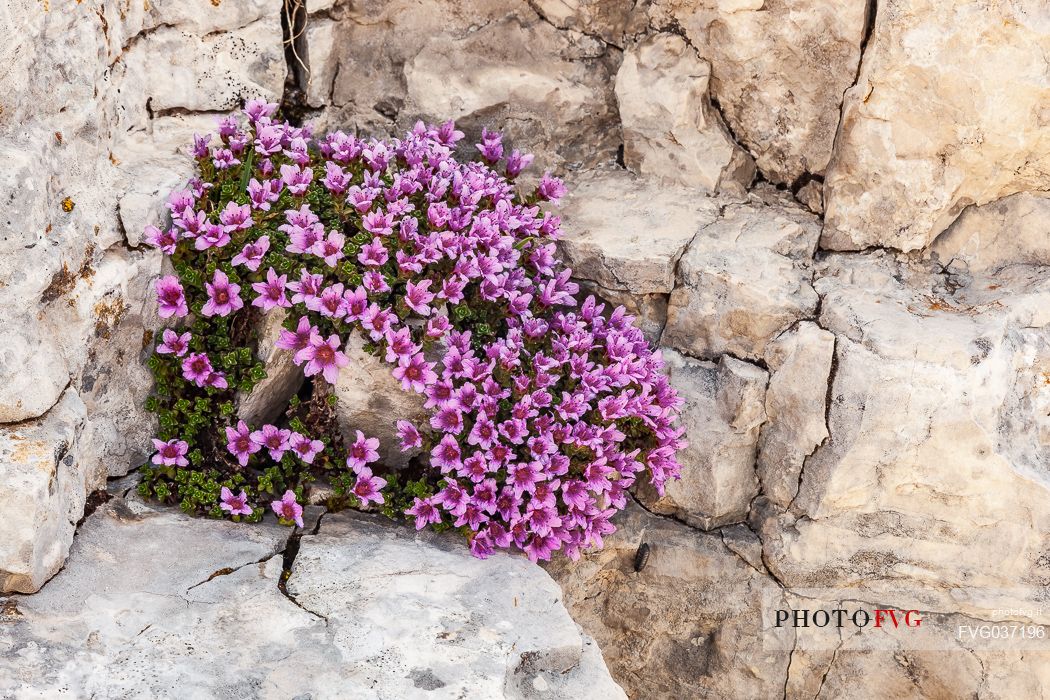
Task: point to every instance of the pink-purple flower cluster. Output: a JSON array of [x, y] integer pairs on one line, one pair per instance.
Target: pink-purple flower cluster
[[543, 411]]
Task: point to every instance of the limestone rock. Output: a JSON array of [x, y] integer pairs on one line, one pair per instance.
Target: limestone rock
[[414, 608], [371, 400], [34, 371], [899, 178], [935, 472], [778, 71], [626, 233], [493, 64], [610, 20], [1011, 231], [370, 610], [675, 629], [270, 397], [799, 362], [743, 280], [722, 415], [42, 496], [670, 130]]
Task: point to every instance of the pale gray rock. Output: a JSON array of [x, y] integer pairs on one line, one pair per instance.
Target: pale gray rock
[[627, 233], [372, 401], [370, 610], [931, 490], [899, 178], [495, 64], [610, 20], [42, 496], [799, 362], [677, 628], [34, 371], [743, 279], [270, 397], [670, 130], [722, 416], [1011, 231], [778, 71]]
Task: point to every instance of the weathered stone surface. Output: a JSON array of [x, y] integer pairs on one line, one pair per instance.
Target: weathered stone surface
[[42, 495], [371, 400], [743, 280], [935, 476], [898, 177], [610, 20], [687, 625], [1011, 231], [35, 373], [626, 233], [722, 415], [492, 64], [270, 397], [799, 361], [371, 611], [778, 71], [101, 98], [670, 130]]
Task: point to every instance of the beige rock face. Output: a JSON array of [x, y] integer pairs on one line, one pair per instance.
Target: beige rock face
[[935, 476], [670, 130], [950, 109], [722, 415], [610, 20], [101, 97], [270, 397], [799, 362], [371, 400], [493, 64], [219, 624], [743, 280], [778, 71], [623, 236], [1010, 231], [674, 629], [42, 496]]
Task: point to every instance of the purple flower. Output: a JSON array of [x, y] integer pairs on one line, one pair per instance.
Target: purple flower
[[173, 343], [288, 509], [373, 254], [252, 254], [240, 444], [446, 455], [323, 357], [300, 338], [171, 453], [214, 236], [223, 296], [234, 505], [491, 146], [363, 451], [236, 217], [414, 373], [418, 298], [165, 240], [409, 436], [197, 368], [368, 487], [171, 298], [550, 188], [274, 439], [425, 512], [517, 162], [297, 179], [305, 448], [263, 194], [271, 292], [331, 248]]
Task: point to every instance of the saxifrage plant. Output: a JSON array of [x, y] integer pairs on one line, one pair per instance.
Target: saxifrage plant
[[543, 411]]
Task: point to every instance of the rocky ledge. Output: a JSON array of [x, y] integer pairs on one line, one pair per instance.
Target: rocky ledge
[[155, 604]]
